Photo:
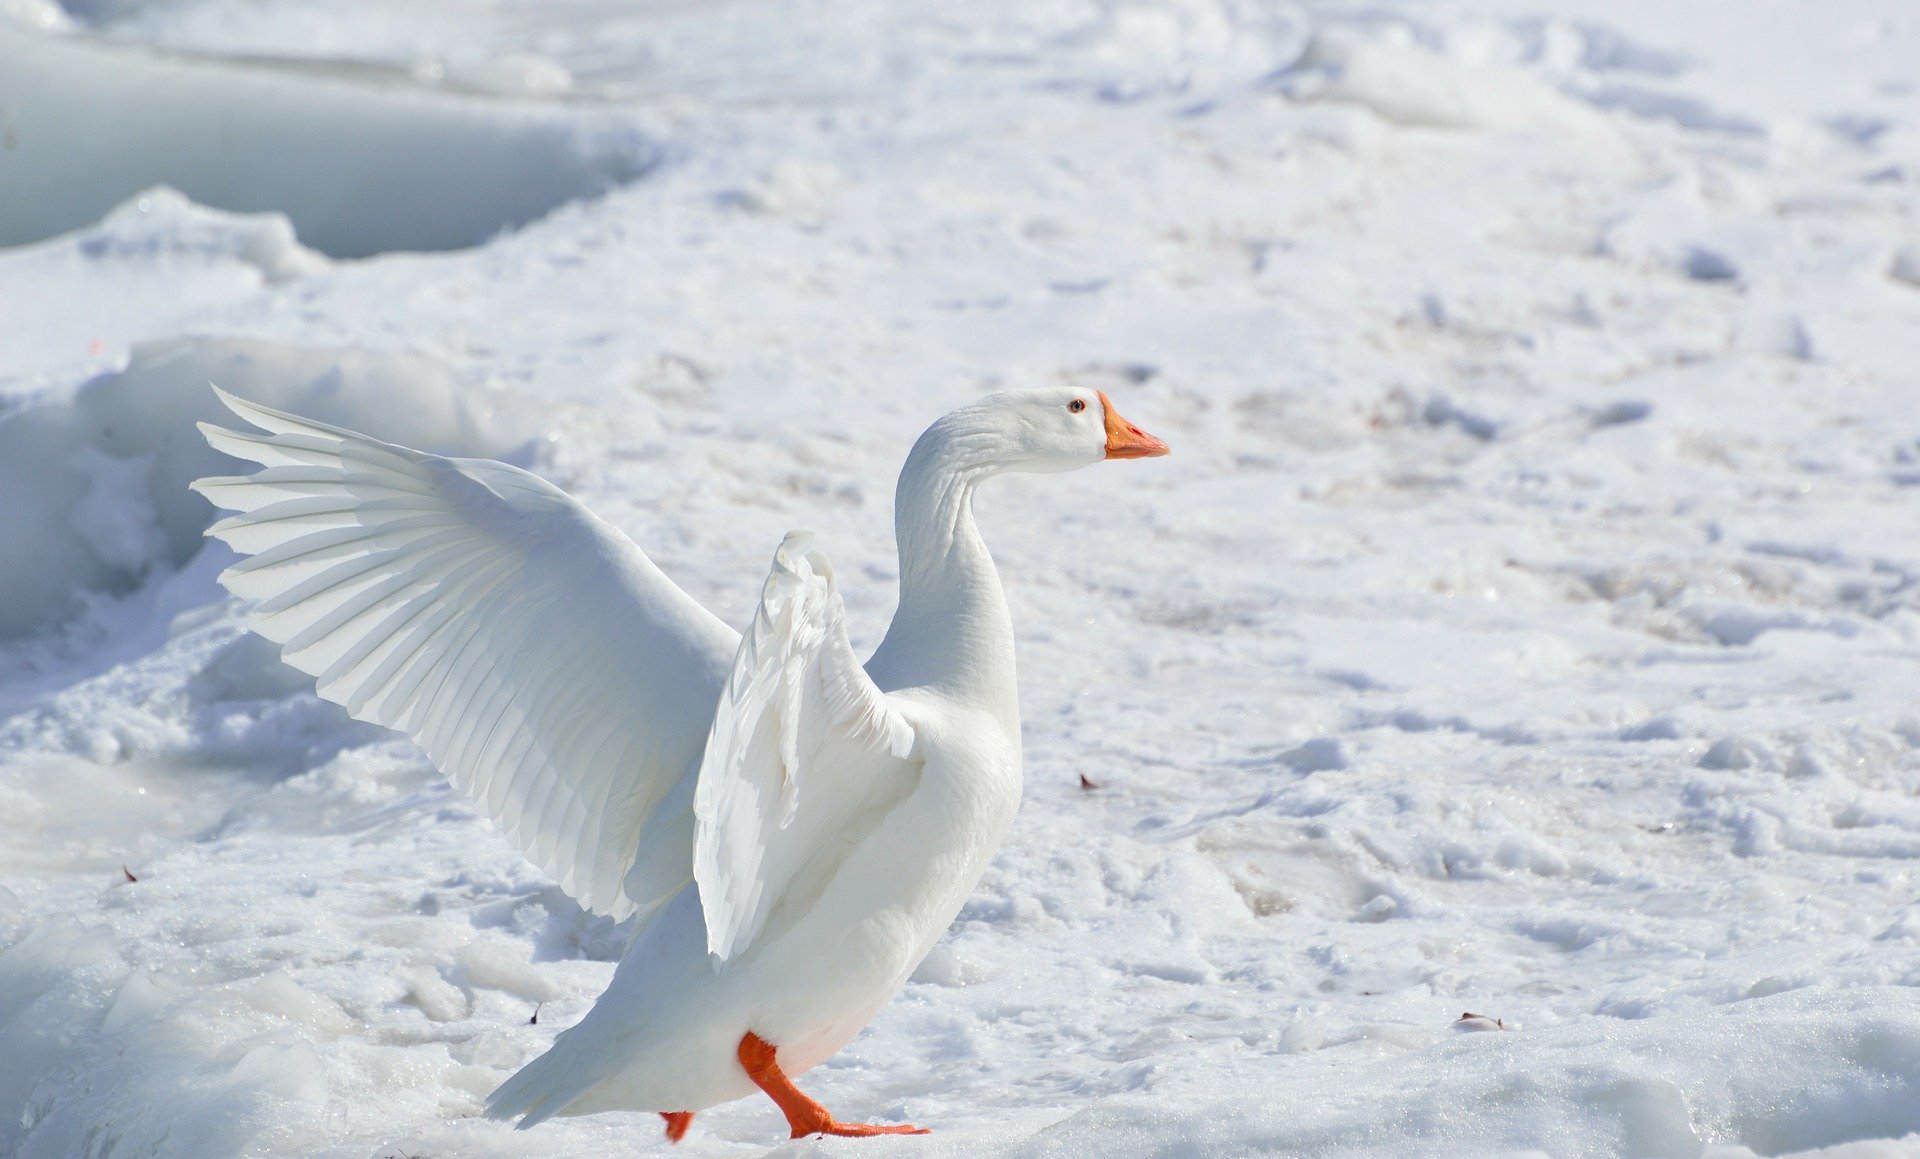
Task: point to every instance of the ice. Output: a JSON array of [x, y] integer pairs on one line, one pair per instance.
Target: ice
[[161, 222], [75, 304], [1524, 626], [358, 168]]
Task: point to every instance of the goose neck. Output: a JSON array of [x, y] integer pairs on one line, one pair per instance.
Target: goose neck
[[940, 545], [951, 631]]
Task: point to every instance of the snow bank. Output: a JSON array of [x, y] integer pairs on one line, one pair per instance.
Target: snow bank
[[96, 483], [75, 305], [359, 167]]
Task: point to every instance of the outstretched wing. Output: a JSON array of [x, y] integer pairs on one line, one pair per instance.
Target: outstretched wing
[[804, 749], [547, 667]]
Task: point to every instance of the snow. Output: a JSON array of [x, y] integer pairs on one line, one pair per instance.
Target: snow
[[1524, 625], [1608, 1088], [108, 465], [359, 168]]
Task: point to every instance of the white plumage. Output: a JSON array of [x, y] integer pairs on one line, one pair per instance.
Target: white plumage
[[802, 742], [793, 829], [542, 661]]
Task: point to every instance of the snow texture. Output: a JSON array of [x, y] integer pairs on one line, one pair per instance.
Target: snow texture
[[1523, 636]]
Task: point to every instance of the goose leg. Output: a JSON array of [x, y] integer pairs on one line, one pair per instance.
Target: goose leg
[[677, 1124], [805, 1116]]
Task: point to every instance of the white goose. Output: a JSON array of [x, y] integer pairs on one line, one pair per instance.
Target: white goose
[[794, 830]]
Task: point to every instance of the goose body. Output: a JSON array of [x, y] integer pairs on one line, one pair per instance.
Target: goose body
[[793, 829]]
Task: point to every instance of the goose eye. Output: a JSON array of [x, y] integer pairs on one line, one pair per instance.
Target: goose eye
[[1077, 405]]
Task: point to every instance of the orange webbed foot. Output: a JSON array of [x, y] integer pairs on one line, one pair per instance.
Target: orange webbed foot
[[677, 1124], [805, 1116], [863, 1130]]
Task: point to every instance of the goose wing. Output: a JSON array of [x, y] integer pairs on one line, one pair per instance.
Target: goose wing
[[547, 667], [804, 756]]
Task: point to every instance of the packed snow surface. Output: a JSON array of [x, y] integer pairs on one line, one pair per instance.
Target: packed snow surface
[[1495, 730]]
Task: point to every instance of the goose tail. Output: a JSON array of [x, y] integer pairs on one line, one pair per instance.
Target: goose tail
[[538, 1091]]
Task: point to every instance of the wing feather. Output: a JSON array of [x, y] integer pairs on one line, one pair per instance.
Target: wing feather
[[544, 663], [802, 742]]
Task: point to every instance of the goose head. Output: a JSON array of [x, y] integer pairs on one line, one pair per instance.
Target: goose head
[[1044, 430]]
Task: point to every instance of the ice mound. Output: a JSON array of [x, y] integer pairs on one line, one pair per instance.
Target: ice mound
[[160, 222], [154, 267], [1409, 85], [359, 168], [97, 483]]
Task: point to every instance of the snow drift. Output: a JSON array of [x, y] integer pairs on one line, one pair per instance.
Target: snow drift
[[359, 167], [96, 484]]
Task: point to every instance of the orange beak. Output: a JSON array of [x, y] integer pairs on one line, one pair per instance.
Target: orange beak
[[1126, 441]]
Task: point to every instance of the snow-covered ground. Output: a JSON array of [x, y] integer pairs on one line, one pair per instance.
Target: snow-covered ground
[[1527, 623]]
